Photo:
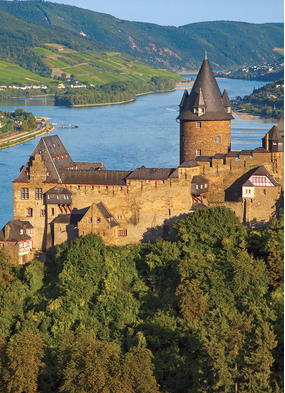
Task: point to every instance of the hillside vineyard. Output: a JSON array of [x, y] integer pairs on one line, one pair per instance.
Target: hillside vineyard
[[57, 199]]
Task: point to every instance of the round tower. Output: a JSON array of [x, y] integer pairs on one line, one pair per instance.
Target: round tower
[[205, 118]]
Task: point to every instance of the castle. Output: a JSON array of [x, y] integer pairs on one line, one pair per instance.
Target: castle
[[57, 199]]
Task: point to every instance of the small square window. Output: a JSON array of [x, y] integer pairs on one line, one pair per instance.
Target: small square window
[[106, 187], [78, 187], [148, 181], [218, 139], [98, 220], [24, 193], [42, 213], [263, 191], [89, 219], [198, 124], [121, 188], [52, 211], [128, 182], [198, 152], [29, 212], [39, 193], [48, 174], [92, 187]]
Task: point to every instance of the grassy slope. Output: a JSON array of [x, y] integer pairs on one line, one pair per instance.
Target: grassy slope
[[59, 51], [229, 44]]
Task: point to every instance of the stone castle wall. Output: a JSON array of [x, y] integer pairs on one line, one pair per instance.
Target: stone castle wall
[[212, 138], [147, 209]]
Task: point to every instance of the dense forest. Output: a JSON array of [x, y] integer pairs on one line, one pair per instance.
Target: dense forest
[[112, 92], [230, 45], [201, 314]]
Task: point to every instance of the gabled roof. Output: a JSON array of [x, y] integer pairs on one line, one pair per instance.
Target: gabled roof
[[262, 171], [50, 148], [12, 230], [144, 173], [106, 214], [207, 85]]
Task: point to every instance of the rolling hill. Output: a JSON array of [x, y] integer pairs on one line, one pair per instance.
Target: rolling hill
[[230, 45], [30, 53]]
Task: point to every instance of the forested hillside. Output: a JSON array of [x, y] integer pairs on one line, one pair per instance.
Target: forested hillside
[[201, 314], [230, 45]]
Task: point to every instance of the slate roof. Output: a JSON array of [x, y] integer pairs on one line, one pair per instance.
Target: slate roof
[[248, 183], [207, 89], [56, 159], [106, 214], [189, 164], [15, 227], [71, 218], [49, 147], [90, 166], [94, 177], [59, 191], [199, 179], [144, 173], [275, 135]]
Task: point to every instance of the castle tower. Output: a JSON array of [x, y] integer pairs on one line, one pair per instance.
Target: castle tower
[[205, 118]]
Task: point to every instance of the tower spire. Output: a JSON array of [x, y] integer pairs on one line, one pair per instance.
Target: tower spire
[[206, 55]]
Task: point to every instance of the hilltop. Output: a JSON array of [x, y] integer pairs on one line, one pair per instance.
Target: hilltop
[[230, 45], [46, 55]]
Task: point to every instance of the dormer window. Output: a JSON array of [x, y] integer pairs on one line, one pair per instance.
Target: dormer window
[[48, 174], [229, 109], [201, 111]]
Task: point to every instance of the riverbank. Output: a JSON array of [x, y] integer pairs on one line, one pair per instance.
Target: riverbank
[[122, 102], [44, 128]]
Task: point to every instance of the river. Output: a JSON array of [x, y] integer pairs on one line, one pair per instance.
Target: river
[[125, 136]]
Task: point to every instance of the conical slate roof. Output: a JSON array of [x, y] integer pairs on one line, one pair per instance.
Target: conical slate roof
[[205, 86]]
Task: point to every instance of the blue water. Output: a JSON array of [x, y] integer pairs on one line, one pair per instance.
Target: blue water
[[126, 136]]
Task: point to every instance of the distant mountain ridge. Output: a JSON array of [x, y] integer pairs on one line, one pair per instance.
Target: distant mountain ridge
[[230, 45]]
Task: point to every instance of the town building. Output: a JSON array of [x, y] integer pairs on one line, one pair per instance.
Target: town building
[[62, 199]]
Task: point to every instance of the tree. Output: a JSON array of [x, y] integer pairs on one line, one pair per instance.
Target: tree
[[192, 301], [92, 366], [24, 354]]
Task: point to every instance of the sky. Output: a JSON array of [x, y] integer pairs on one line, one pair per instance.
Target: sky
[[182, 12]]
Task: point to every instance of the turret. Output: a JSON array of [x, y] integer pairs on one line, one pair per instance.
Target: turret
[[205, 118]]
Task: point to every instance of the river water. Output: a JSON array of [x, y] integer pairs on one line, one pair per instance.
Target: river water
[[125, 136]]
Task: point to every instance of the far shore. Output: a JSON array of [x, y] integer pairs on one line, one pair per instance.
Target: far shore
[[19, 138]]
